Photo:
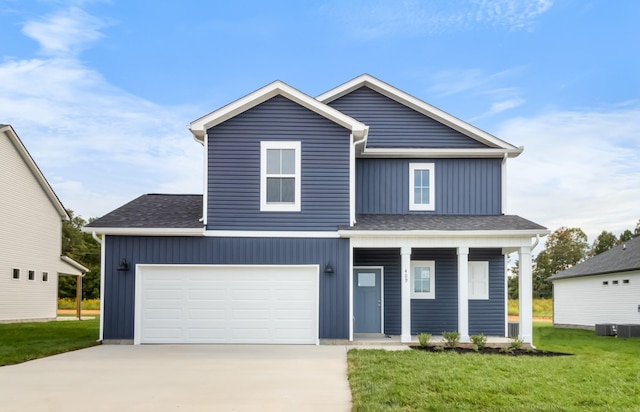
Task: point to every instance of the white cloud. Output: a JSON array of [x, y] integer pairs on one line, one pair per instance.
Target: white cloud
[[66, 32], [370, 20], [98, 145], [579, 169]]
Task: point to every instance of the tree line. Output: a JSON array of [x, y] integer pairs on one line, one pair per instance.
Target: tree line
[[84, 249], [564, 248]]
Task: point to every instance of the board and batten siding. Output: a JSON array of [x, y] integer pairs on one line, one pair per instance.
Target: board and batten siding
[[30, 239], [587, 301], [488, 316], [234, 169], [395, 125], [119, 293], [462, 186]]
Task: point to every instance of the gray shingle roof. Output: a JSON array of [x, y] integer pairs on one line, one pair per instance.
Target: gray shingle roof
[[155, 211], [621, 258], [442, 222]]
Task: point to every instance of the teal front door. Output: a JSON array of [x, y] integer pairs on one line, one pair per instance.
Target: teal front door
[[367, 300]]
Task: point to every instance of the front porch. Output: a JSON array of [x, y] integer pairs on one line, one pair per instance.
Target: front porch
[[453, 304]]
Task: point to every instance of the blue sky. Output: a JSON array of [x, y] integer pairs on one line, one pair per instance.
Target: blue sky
[[101, 91]]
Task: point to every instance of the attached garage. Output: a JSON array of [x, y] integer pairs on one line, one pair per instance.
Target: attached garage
[[226, 304]]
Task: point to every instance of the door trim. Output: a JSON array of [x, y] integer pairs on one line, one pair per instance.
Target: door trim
[[381, 268]]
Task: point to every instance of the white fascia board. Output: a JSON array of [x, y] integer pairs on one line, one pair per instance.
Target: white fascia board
[[443, 233], [133, 231], [419, 106], [75, 265], [437, 153], [35, 170], [200, 126], [266, 233]]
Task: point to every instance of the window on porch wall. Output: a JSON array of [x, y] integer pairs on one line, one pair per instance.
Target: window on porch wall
[[423, 279]]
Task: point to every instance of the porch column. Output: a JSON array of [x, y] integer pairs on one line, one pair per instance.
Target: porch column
[[525, 293], [463, 293], [405, 310]]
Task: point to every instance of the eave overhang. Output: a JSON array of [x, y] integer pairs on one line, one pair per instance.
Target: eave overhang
[[347, 233], [200, 126], [136, 231]]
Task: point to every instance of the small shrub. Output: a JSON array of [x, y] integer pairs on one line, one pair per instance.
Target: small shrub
[[515, 344], [438, 348], [451, 339], [424, 339], [479, 342]]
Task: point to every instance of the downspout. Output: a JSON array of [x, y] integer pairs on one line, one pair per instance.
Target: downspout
[[93, 235], [503, 195], [535, 243]]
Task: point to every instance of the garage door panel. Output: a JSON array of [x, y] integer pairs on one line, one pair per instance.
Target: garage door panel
[[219, 304]]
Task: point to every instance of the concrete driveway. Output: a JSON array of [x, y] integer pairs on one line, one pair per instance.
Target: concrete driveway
[[180, 378]]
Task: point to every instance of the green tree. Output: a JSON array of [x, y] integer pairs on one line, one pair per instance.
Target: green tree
[[82, 248], [512, 281], [564, 248], [625, 236], [604, 241]]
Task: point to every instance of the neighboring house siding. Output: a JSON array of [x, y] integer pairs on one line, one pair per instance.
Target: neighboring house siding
[[585, 301], [462, 186], [440, 314], [119, 286], [487, 316], [234, 169], [30, 239], [390, 259], [395, 125]]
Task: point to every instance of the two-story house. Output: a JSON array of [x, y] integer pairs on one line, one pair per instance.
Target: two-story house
[[364, 210]]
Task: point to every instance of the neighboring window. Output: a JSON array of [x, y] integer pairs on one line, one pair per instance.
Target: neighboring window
[[421, 186], [423, 279], [45, 276], [478, 280], [280, 176], [625, 281], [615, 282], [32, 275], [605, 283], [16, 274]]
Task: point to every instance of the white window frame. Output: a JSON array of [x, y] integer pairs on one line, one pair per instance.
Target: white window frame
[[478, 269], [13, 271], [279, 207], [432, 279], [431, 206], [45, 276]]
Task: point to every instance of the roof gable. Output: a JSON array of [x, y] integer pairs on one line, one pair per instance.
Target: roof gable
[[10, 134], [199, 127], [622, 258], [421, 107]]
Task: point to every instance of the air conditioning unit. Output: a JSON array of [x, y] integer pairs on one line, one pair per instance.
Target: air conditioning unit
[[605, 329], [629, 331]]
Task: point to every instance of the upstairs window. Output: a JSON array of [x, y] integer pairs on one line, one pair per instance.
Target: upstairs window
[[280, 176], [421, 186], [15, 274], [32, 275]]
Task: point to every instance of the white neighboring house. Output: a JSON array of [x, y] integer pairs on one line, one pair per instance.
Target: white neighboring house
[[602, 289], [31, 218]]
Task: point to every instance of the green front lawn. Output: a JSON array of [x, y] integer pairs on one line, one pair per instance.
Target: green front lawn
[[603, 375], [20, 342]]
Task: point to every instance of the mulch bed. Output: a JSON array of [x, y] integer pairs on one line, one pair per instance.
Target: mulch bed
[[492, 351]]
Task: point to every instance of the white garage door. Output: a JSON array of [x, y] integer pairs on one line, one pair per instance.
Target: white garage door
[[226, 304]]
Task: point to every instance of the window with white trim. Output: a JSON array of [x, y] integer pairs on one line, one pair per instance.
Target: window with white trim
[[478, 278], [32, 275], [15, 274], [423, 279], [45, 276], [421, 186], [280, 176]]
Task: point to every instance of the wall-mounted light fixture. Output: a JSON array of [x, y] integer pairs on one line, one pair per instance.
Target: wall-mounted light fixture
[[328, 269], [124, 265]]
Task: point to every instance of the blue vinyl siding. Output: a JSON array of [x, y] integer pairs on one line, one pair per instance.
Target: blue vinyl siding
[[119, 287], [234, 169], [488, 316], [440, 314], [395, 125], [463, 186], [390, 259]]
